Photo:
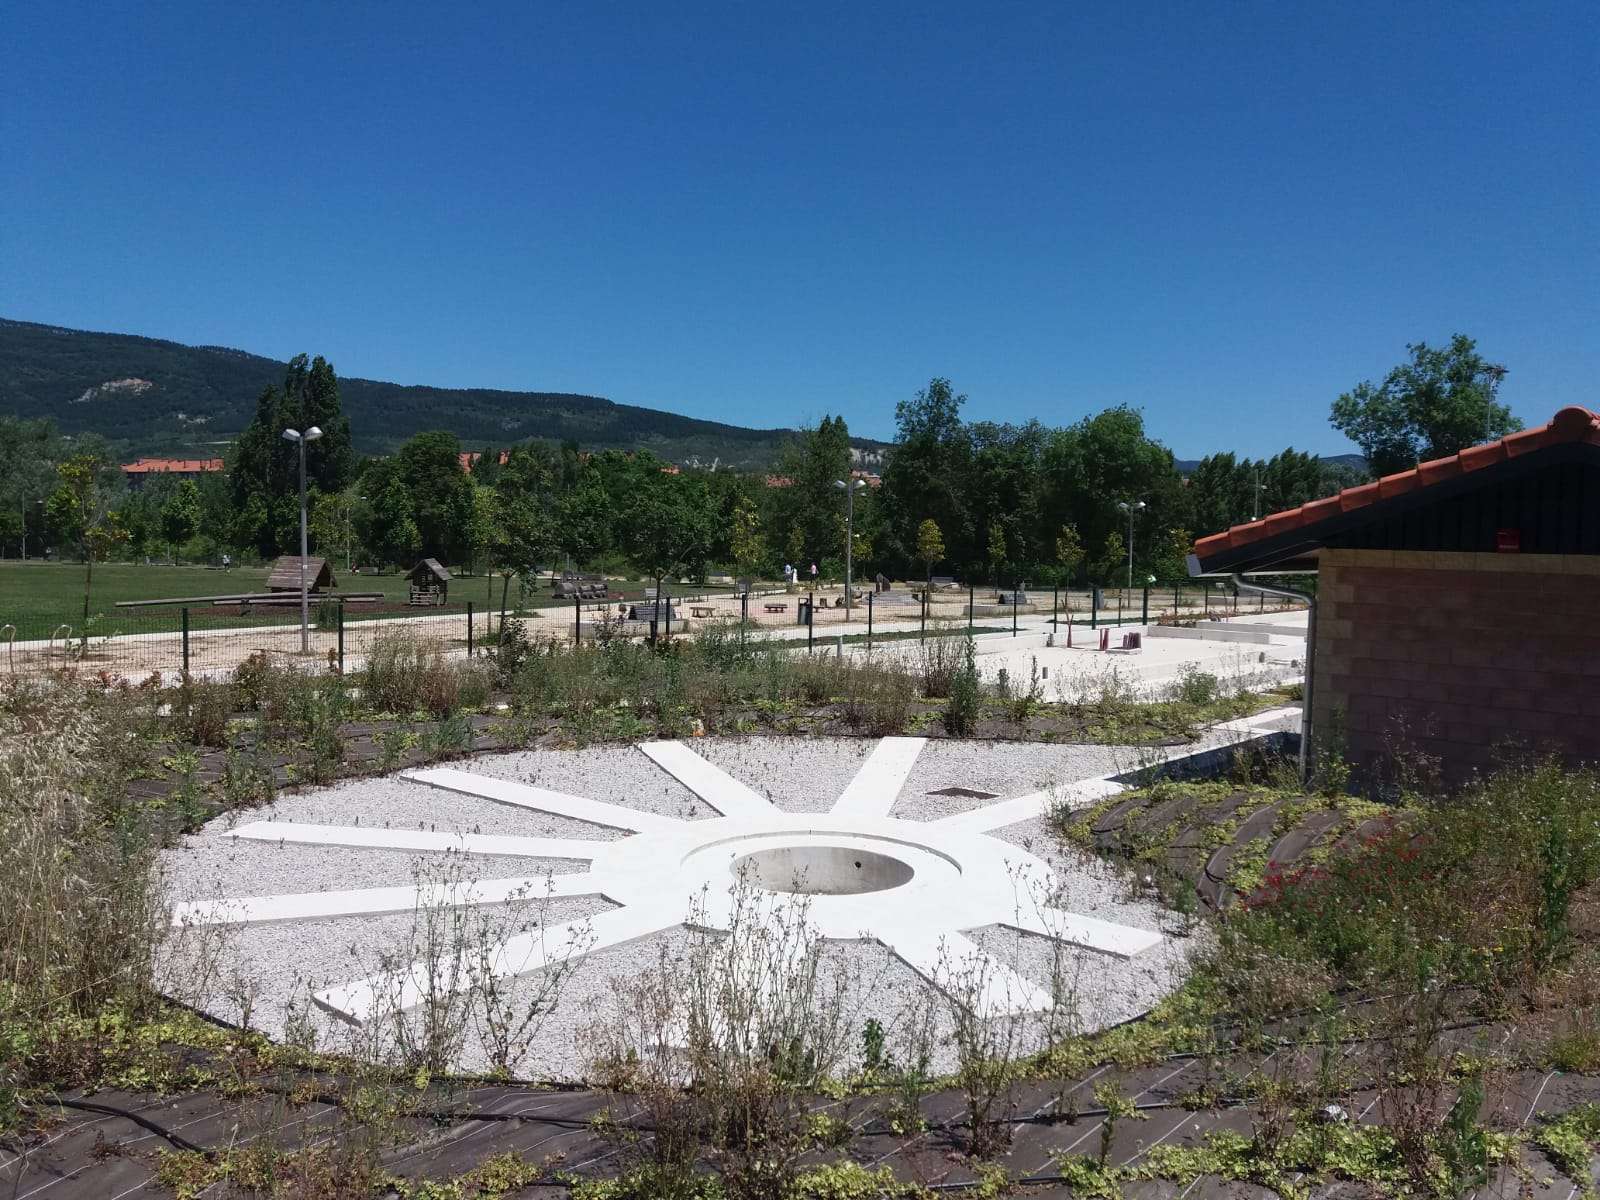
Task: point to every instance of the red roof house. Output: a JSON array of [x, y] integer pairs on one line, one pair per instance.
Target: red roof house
[[1457, 612]]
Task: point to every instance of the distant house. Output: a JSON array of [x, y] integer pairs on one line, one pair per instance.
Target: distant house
[[285, 575], [469, 459], [179, 468], [1457, 605], [430, 583]]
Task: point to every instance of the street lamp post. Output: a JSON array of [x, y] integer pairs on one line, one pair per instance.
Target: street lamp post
[[850, 490], [300, 438], [1130, 509], [1255, 498]]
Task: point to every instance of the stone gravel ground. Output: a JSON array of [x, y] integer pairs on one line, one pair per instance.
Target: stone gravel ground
[[274, 963]]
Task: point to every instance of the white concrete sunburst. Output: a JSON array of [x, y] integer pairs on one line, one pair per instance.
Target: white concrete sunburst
[[912, 886]]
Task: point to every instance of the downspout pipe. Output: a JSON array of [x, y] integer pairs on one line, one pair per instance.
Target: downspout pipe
[[1310, 598]]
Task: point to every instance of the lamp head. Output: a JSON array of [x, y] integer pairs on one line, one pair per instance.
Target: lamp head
[[314, 433], [291, 435]]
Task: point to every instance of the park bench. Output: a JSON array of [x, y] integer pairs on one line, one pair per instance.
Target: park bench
[[777, 606], [943, 583], [702, 610]]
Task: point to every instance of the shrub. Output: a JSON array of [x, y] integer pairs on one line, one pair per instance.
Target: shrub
[[1196, 687], [81, 928], [200, 711], [406, 674], [938, 660], [962, 709], [878, 700]]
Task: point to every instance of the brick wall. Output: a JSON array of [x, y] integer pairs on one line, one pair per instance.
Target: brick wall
[[1463, 651]]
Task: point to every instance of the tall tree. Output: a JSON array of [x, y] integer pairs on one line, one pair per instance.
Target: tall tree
[[669, 525], [439, 494], [809, 512], [181, 515], [927, 475], [81, 511], [1104, 459], [526, 535], [1435, 405], [28, 453], [264, 467]]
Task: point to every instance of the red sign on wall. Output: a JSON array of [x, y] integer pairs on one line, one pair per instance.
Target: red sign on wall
[[1508, 541]]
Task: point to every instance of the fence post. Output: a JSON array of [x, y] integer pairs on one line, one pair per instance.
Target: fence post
[[1055, 607], [744, 617], [870, 595], [1119, 608], [577, 622], [341, 633], [185, 639], [1205, 601], [469, 628], [971, 592], [1144, 610], [1261, 607], [1013, 610], [1094, 607], [669, 611], [811, 620]]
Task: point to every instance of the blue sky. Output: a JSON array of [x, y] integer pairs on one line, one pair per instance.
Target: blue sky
[[1222, 214]]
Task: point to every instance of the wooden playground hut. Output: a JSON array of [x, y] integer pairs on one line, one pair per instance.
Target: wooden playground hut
[[285, 576], [430, 583]]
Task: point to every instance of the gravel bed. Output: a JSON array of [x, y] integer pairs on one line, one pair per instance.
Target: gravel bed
[[796, 774], [1007, 769], [280, 960], [204, 868], [395, 803], [285, 961], [616, 774]]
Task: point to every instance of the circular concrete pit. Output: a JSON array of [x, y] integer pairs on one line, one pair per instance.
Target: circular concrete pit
[[822, 870]]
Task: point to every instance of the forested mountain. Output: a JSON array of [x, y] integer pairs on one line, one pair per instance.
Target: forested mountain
[[159, 397]]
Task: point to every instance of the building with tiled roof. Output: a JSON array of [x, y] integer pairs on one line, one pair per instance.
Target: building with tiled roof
[[182, 468], [1457, 608]]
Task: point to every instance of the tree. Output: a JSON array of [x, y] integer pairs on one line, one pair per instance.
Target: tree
[[811, 508], [180, 515], [1089, 466], [927, 476], [525, 535], [332, 523], [930, 546], [1437, 404], [264, 467], [28, 450], [383, 519], [748, 546], [670, 526], [1169, 562], [996, 545], [80, 511], [1113, 560], [439, 494], [1069, 552]]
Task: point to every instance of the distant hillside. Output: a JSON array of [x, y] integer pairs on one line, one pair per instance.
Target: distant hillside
[[156, 397], [1186, 466]]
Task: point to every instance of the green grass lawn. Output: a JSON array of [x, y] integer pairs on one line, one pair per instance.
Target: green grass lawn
[[42, 595], [37, 597]]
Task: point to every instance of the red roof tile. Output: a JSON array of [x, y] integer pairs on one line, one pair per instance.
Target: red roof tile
[[1571, 424], [189, 466]]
